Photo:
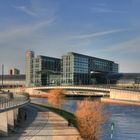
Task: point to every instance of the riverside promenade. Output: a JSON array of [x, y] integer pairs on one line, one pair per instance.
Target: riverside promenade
[[41, 124]]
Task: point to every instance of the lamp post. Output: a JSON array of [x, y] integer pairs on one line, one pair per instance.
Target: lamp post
[[2, 75]]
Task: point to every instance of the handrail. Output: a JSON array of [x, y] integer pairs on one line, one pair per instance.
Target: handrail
[[7, 103]]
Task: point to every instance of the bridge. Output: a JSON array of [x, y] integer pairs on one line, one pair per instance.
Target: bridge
[[9, 106], [116, 93], [73, 90]]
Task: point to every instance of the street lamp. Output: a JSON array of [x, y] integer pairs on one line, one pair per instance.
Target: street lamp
[[2, 76]]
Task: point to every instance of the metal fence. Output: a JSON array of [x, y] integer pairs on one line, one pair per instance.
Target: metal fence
[[8, 103]]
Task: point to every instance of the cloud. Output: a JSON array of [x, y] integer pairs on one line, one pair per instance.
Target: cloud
[[102, 10], [129, 46], [23, 31], [26, 10], [97, 34]]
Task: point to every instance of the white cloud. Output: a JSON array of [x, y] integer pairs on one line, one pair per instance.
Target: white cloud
[[102, 10], [97, 34], [26, 10], [15, 33], [129, 46]]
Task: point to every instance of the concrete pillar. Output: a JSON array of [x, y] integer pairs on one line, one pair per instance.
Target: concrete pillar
[[15, 115], [10, 117], [3, 124]]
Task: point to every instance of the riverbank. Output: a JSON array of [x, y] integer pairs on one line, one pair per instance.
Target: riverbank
[[65, 114], [42, 124], [122, 102]]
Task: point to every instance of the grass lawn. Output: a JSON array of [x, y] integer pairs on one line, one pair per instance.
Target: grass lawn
[[65, 114]]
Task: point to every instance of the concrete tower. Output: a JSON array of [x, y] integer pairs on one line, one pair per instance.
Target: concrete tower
[[29, 68]]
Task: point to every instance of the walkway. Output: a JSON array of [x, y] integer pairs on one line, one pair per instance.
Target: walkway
[[42, 124]]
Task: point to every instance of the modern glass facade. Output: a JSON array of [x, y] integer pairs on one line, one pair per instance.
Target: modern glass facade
[[125, 79], [39, 69], [72, 69], [44, 67], [77, 68]]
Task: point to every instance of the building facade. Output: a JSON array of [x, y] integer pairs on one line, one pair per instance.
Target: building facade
[[79, 69], [45, 66], [71, 69], [124, 79], [39, 69]]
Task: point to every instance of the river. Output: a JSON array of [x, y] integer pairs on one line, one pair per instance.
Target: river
[[125, 117]]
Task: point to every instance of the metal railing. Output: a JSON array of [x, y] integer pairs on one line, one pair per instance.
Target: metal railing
[[7, 103]]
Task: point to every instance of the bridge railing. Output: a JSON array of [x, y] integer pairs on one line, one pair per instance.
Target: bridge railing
[[9, 103]]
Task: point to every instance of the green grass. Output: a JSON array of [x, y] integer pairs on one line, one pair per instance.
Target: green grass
[[65, 114]]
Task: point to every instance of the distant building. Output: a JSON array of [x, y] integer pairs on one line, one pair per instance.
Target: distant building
[[81, 69], [14, 71], [13, 81]]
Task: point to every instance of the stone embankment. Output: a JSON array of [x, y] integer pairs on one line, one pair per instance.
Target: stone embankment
[[117, 101]]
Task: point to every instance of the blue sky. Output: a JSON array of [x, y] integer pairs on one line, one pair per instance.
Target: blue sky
[[108, 29]]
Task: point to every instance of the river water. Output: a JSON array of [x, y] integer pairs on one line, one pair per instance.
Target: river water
[[125, 117]]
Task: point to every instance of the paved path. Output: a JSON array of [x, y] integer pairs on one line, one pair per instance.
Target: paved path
[[42, 124]]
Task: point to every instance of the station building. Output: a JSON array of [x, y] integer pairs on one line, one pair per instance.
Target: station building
[[124, 79], [71, 69], [82, 69], [40, 68]]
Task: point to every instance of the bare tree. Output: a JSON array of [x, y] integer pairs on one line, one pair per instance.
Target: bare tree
[[90, 117], [56, 97]]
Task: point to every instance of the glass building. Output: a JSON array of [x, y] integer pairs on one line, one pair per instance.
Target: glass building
[[39, 69], [124, 79], [72, 69], [44, 67], [78, 69]]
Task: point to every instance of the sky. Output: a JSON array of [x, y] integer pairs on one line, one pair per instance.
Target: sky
[[108, 29]]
